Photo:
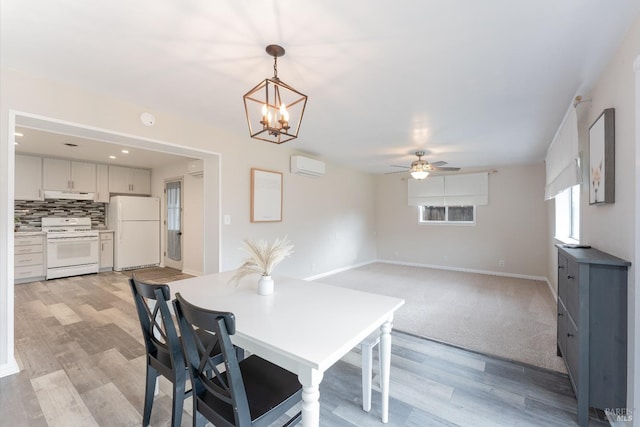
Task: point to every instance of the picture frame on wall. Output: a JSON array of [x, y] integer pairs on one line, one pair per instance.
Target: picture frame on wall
[[602, 159], [266, 195]]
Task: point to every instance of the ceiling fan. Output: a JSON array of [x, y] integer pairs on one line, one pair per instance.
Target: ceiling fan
[[420, 169]]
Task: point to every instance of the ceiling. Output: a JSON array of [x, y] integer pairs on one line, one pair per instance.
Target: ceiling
[[53, 144], [473, 83]]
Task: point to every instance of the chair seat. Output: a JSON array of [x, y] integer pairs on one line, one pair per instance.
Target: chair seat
[[267, 386]]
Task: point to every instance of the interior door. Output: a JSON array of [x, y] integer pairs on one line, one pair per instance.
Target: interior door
[[173, 224]]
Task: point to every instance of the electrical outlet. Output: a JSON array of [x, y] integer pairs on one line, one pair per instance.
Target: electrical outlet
[[501, 263], [446, 258]]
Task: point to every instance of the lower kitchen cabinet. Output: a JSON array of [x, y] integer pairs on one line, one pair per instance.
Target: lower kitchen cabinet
[[592, 327], [29, 258], [106, 251]]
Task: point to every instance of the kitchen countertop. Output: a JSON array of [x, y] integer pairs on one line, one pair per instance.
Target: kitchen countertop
[[28, 233], [33, 232]]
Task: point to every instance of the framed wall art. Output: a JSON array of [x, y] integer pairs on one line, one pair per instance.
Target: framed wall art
[[602, 159], [266, 195]]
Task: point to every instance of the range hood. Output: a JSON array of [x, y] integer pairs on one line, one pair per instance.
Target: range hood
[[69, 195]]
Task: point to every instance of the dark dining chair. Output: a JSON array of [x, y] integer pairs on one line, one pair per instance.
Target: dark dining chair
[[163, 346], [251, 392]]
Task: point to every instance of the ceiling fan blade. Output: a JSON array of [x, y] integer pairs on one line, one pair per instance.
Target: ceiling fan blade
[[389, 173], [435, 168], [397, 166], [440, 163]]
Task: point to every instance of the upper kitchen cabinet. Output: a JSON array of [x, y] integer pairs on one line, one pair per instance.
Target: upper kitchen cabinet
[[68, 175], [124, 180], [102, 184], [28, 178]]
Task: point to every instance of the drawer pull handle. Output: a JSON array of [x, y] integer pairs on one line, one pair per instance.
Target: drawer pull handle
[[560, 314], [571, 277], [570, 335], [561, 267]]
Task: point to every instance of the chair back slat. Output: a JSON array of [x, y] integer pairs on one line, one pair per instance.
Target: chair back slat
[[158, 329], [226, 386]]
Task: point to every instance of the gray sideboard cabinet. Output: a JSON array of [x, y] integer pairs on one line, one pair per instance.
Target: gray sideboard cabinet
[[592, 327]]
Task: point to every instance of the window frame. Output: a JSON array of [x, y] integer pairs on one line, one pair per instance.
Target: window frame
[[567, 215], [446, 221]]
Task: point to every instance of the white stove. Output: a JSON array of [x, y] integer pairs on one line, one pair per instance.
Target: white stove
[[72, 247], [68, 225]]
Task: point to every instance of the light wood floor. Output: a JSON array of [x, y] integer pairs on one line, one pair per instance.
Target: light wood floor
[[80, 351]]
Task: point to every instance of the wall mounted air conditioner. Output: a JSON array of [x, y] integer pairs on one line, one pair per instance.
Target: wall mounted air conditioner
[[301, 165], [195, 167]]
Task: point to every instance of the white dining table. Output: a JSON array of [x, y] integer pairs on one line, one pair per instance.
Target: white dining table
[[304, 326]]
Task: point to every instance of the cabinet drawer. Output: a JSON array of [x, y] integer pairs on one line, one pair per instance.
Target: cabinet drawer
[[28, 271], [28, 259], [572, 354], [562, 328], [562, 277], [28, 240], [30, 249], [106, 236], [572, 298]]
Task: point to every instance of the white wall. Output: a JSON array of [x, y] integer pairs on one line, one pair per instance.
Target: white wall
[[611, 228], [330, 220], [508, 228]]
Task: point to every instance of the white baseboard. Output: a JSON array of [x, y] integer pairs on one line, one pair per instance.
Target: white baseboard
[[465, 270], [192, 272], [439, 267], [338, 270], [9, 369]]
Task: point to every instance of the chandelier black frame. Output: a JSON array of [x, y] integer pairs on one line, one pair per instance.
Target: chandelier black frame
[[274, 109]]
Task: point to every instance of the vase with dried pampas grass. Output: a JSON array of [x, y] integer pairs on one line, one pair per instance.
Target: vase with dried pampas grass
[[263, 258]]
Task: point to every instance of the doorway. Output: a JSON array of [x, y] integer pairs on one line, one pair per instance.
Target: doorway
[[173, 223], [211, 209]]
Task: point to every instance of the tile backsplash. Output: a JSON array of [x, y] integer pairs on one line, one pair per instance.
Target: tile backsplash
[[31, 212]]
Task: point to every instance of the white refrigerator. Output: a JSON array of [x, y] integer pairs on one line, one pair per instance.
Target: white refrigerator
[[136, 225]]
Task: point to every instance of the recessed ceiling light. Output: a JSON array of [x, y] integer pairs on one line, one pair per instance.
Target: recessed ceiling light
[[125, 151], [70, 144], [112, 157], [18, 134]]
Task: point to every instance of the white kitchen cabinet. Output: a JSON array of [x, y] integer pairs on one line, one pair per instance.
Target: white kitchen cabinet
[[123, 180], [68, 175], [102, 184], [28, 178], [106, 251], [29, 257]]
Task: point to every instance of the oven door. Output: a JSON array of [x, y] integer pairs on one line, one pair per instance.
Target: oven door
[[72, 251]]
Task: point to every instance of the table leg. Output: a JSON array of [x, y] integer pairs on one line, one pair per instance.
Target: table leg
[[310, 380], [385, 366]]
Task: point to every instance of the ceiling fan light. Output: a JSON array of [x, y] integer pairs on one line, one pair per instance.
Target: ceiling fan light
[[419, 174]]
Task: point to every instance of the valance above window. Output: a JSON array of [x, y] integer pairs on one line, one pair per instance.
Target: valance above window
[[562, 160], [450, 190]]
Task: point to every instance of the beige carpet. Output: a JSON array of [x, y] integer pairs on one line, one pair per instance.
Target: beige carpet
[[503, 316]]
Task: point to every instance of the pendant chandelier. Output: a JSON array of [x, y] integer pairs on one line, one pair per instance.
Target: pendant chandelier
[[274, 109]]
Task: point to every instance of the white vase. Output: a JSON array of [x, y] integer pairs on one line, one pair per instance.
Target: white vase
[[265, 285]]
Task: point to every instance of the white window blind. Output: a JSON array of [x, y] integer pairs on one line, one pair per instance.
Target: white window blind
[[562, 160], [450, 190]]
